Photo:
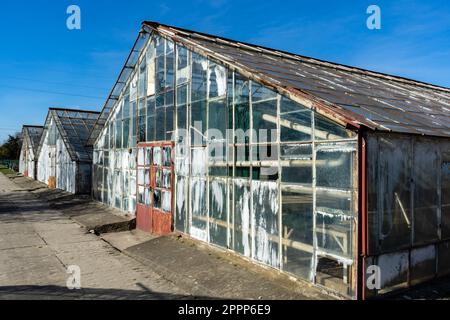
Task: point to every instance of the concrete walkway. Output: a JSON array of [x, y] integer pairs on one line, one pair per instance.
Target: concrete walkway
[[43, 231]]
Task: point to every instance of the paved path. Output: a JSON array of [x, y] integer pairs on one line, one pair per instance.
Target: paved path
[[37, 244]]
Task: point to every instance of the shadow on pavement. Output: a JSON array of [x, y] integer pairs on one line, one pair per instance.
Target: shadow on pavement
[[62, 293]]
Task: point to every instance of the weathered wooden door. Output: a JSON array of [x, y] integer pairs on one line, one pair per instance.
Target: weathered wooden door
[[155, 187]]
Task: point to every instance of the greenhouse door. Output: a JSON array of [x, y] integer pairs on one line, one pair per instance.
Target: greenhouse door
[[154, 185]]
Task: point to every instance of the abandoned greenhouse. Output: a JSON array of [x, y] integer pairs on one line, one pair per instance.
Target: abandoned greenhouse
[[31, 135], [316, 169], [64, 161]]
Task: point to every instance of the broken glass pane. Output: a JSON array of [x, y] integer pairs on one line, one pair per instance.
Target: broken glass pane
[[157, 199], [182, 64], [217, 80], [199, 76]]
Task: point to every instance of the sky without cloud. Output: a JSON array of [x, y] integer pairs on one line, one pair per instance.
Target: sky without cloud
[[43, 64]]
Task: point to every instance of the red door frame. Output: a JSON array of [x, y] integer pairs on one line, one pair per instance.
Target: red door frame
[[149, 218]]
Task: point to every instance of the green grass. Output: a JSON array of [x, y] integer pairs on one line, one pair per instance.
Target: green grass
[[5, 170]]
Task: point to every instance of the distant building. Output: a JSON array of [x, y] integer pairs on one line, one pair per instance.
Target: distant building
[[31, 136], [64, 162], [313, 168]]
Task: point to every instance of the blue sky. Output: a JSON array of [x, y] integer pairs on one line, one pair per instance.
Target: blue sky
[[43, 64]]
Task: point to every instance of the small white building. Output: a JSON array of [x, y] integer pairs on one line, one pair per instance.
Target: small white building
[[64, 162], [31, 135]]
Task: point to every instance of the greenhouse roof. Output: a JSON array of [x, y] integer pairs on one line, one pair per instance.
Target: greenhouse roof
[[350, 96]]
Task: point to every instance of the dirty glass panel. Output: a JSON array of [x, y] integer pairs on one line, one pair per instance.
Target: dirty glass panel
[[241, 110], [181, 158], [217, 120], [217, 163], [242, 161], [126, 122], [218, 212], [443, 259], [217, 80], [166, 201], [151, 72], [264, 116], [158, 177], [328, 130], [157, 156], [141, 176], [334, 165], [242, 219], [170, 61], [198, 209], [160, 74], [182, 94], [147, 177], [118, 132], [141, 156], [395, 190], [445, 196], [142, 120], [198, 162], [141, 194], [199, 77], [142, 85], [148, 156], [265, 222], [167, 156], [426, 174], [133, 124], [182, 64], [160, 133], [295, 121], [297, 232], [265, 162], [167, 176], [296, 162], [150, 119], [181, 204], [169, 115], [147, 197], [198, 122]]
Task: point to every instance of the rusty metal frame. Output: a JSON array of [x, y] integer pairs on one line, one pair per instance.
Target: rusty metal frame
[[362, 215]]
